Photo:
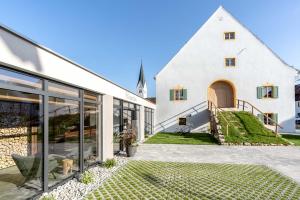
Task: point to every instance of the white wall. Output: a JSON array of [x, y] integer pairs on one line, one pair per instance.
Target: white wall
[[107, 127], [201, 62]]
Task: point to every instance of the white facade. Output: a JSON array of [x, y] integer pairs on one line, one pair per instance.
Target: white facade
[[200, 62]]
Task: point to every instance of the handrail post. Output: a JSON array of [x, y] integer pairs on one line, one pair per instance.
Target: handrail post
[[276, 129], [252, 109], [238, 104], [243, 105], [227, 129]]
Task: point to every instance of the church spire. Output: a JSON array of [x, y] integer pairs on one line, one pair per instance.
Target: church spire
[[141, 84], [141, 75]]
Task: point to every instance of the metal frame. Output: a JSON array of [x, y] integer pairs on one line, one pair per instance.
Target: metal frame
[[45, 105]]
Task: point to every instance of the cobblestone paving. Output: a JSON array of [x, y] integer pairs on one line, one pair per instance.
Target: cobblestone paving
[[178, 180]]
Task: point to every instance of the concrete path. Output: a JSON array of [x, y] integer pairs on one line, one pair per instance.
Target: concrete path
[[284, 159]]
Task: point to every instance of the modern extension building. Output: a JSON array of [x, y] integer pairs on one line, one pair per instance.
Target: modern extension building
[[56, 115], [224, 62]]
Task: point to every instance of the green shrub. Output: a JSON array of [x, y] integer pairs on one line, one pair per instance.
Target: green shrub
[[87, 177], [48, 197], [109, 163]]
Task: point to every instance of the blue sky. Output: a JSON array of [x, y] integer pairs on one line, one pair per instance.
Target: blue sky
[[111, 36]]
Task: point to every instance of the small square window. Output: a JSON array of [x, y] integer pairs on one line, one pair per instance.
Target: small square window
[[270, 118], [229, 35], [230, 62]]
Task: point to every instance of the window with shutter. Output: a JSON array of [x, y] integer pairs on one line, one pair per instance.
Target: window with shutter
[[275, 92], [267, 92], [259, 92], [178, 94], [270, 118], [171, 95]]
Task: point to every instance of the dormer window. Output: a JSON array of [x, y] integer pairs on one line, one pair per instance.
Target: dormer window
[[230, 62], [229, 35]]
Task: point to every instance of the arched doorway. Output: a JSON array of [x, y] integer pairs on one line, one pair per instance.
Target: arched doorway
[[222, 94]]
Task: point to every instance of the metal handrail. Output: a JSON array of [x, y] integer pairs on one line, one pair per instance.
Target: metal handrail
[[255, 108], [174, 117], [212, 106]]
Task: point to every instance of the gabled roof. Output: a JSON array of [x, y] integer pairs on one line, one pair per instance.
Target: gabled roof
[[142, 79], [227, 12]]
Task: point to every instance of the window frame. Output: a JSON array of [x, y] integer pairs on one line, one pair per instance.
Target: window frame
[[181, 94], [45, 96], [230, 59], [229, 33]]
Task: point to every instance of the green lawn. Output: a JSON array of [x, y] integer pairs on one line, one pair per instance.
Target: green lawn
[[170, 180], [247, 128], [176, 138], [293, 138]]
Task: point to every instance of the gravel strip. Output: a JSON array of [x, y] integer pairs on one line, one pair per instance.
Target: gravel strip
[[74, 189]]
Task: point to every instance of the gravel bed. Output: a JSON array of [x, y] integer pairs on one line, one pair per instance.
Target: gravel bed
[[74, 189]]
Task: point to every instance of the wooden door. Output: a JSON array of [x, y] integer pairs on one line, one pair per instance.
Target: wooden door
[[221, 94]]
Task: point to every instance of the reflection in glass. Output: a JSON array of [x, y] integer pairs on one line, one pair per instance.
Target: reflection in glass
[[117, 125], [21, 136], [91, 129], [19, 79], [62, 89], [64, 129], [149, 120], [90, 96]]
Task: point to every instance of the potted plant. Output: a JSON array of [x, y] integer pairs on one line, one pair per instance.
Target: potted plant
[[129, 138]]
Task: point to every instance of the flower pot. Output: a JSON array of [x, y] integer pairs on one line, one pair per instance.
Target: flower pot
[[131, 150]]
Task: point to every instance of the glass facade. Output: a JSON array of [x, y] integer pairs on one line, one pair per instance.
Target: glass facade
[[21, 144], [92, 127], [126, 116], [48, 133], [64, 132], [149, 121]]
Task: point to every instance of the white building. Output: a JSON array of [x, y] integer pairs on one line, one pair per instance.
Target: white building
[[55, 113], [222, 62]]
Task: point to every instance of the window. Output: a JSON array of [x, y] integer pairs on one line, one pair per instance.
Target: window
[[229, 35], [19, 79], [64, 131], [149, 116], [266, 92], [230, 62], [92, 131], [63, 89], [178, 94], [269, 118], [21, 144]]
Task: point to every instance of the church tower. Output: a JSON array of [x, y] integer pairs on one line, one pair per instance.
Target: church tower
[[141, 85]]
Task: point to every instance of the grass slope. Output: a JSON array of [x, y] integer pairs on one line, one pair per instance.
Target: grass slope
[[293, 138], [173, 180], [175, 138], [247, 129]]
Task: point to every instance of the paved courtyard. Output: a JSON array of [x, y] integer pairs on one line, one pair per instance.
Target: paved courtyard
[[283, 159]]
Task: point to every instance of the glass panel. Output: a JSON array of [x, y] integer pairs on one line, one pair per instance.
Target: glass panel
[[117, 125], [91, 133], [90, 96], [62, 89], [136, 123], [64, 129], [21, 136], [18, 79]]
